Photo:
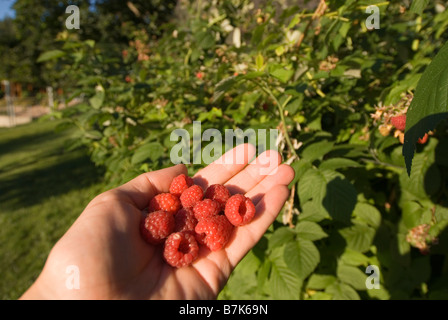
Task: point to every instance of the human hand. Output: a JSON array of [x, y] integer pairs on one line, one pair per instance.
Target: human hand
[[113, 260]]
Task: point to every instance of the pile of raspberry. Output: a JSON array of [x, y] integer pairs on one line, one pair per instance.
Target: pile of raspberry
[[188, 217]]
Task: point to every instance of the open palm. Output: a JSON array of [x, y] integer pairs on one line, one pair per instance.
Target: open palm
[[114, 262]]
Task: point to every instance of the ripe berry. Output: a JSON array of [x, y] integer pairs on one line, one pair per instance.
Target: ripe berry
[[423, 140], [181, 249], [191, 196], [184, 220], [206, 208], [166, 202], [180, 184], [214, 232], [399, 122], [156, 226], [218, 193], [239, 210]]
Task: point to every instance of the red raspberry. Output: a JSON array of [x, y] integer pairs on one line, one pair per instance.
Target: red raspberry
[[239, 210], [214, 232], [156, 226], [206, 208], [184, 220], [399, 122], [423, 140], [219, 193], [181, 249], [180, 184], [191, 196], [166, 202]]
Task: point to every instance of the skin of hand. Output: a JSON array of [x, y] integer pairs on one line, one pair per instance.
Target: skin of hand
[[111, 259]]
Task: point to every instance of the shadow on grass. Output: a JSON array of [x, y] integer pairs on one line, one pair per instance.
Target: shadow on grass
[[32, 187], [37, 166]]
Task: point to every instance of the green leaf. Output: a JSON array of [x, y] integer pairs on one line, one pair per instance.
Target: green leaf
[[320, 281], [310, 231], [338, 163], [342, 291], [340, 199], [282, 74], [368, 214], [314, 212], [152, 151], [281, 236], [418, 6], [50, 55], [352, 276], [302, 257], [359, 237], [317, 150], [284, 283], [429, 105]]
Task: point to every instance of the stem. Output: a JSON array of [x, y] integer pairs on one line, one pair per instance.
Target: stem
[[282, 116]]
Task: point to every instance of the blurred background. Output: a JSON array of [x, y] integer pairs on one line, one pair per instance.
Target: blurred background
[[91, 91]]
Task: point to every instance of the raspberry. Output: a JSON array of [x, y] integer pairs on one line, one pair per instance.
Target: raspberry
[[239, 210], [399, 122], [180, 249], [166, 202], [219, 193], [156, 226], [191, 196], [180, 184], [423, 140], [214, 232], [206, 208], [184, 220]]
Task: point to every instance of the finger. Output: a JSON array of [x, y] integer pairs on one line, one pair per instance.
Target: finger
[[283, 176], [229, 164], [265, 164], [245, 237], [140, 190]]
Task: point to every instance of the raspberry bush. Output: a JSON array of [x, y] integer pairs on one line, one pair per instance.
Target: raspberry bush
[[365, 192]]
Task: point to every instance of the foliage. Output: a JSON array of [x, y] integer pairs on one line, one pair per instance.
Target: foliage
[[330, 86]]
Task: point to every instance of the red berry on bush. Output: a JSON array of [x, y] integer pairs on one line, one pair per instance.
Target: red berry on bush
[[423, 140], [399, 122]]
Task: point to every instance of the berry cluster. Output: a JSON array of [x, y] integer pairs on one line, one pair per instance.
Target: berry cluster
[[186, 217]]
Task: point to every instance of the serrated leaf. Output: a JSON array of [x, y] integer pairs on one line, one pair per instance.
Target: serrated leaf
[[320, 281], [314, 212], [368, 214], [50, 55], [358, 237], [340, 199], [342, 291], [429, 105], [352, 276], [281, 236], [317, 150], [302, 257], [338, 163], [284, 283], [310, 231]]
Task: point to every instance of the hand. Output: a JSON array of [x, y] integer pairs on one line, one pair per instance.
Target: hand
[[113, 261]]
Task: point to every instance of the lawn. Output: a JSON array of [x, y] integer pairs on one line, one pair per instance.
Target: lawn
[[44, 186]]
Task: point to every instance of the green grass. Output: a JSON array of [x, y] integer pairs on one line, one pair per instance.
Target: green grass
[[43, 188]]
